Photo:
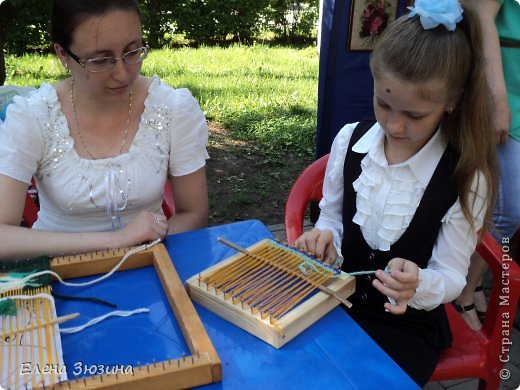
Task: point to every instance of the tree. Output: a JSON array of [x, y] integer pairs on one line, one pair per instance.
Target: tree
[[210, 21], [292, 18], [25, 22], [5, 15], [157, 20]]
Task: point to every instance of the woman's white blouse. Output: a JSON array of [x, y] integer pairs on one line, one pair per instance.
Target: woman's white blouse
[[387, 197], [78, 194]]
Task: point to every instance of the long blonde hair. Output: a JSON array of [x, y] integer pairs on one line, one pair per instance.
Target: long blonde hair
[[454, 59]]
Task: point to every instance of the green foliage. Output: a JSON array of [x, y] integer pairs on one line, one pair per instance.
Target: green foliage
[[307, 22], [27, 25], [157, 21], [210, 21], [292, 18], [199, 21]]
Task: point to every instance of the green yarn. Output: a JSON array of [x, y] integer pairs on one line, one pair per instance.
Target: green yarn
[[18, 269], [304, 256], [21, 268], [7, 307]]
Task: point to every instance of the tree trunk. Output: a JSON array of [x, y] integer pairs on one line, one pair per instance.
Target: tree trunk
[[6, 17], [2, 57]]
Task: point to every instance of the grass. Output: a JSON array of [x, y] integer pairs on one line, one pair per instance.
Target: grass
[[263, 94]]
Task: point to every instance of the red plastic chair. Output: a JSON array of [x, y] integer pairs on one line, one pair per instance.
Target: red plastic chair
[[168, 205], [473, 354], [305, 189], [30, 212]]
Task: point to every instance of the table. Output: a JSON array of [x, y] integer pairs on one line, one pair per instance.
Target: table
[[334, 353]]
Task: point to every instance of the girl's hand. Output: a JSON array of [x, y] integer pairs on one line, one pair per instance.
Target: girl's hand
[[318, 243], [400, 284], [144, 227]]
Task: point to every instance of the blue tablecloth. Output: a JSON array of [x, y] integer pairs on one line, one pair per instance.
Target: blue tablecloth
[[334, 353]]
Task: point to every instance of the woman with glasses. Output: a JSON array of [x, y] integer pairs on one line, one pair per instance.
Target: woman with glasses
[[101, 143]]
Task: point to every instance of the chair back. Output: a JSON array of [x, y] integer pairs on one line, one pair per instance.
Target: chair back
[[306, 188]]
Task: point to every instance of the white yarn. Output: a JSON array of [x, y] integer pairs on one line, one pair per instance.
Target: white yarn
[[118, 313], [79, 328], [9, 283]]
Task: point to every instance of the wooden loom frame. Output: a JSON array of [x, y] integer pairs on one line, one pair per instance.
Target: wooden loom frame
[[291, 324], [201, 367]]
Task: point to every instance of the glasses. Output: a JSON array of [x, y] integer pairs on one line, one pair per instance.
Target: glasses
[[102, 64]]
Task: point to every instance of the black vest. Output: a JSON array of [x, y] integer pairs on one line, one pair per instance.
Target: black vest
[[416, 244]]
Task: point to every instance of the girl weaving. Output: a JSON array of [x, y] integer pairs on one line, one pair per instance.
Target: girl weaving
[[101, 143], [408, 194]]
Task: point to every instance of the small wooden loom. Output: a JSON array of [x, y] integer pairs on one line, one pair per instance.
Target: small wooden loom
[[266, 290], [36, 342], [201, 367]]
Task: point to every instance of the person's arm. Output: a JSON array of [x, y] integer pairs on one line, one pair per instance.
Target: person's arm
[[187, 164], [20, 242], [487, 12], [190, 194], [445, 276], [324, 241]]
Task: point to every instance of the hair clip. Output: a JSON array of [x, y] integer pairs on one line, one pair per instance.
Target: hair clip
[[432, 13]]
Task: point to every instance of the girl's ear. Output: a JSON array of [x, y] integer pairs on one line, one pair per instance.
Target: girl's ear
[[452, 104]]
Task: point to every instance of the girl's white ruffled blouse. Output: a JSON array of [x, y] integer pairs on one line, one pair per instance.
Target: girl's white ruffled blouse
[[387, 197], [84, 195]]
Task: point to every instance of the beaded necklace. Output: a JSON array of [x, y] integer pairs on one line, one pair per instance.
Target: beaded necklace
[[80, 135]]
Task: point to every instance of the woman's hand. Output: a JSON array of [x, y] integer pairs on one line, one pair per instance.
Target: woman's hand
[[144, 227], [399, 284], [318, 243]]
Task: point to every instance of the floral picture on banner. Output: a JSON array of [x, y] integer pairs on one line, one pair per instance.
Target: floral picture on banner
[[368, 20]]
